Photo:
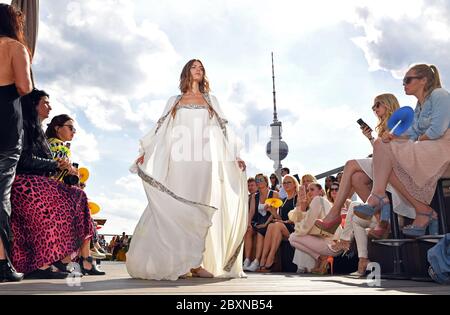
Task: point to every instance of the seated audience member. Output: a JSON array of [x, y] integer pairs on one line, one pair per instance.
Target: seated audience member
[[358, 174], [59, 132], [274, 184], [259, 219], [307, 238], [282, 226], [50, 221]]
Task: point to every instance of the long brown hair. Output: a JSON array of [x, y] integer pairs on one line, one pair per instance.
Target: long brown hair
[[186, 78], [12, 23], [431, 73]]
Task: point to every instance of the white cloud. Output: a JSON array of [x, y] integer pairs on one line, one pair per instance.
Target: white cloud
[[419, 34], [121, 211], [130, 183], [104, 73]]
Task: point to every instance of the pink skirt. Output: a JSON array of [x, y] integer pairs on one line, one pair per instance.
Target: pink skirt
[[49, 221], [420, 164]]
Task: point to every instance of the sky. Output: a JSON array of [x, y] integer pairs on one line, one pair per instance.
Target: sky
[[112, 65]]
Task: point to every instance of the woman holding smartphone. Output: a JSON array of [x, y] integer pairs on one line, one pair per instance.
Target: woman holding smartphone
[[358, 175]]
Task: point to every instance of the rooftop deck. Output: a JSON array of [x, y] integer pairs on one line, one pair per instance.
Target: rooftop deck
[[117, 281]]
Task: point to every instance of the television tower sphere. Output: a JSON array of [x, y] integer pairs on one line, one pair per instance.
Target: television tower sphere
[[277, 154]]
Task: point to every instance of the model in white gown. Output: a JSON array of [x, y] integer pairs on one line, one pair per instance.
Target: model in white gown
[[197, 210]]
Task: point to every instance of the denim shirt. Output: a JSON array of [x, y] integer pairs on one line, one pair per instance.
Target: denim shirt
[[432, 118]]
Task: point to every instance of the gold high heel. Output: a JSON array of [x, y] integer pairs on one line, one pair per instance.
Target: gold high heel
[[325, 263], [341, 245]]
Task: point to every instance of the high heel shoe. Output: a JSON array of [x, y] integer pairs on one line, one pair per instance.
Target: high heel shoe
[[94, 271], [325, 263], [381, 231], [362, 268], [329, 227], [366, 211], [341, 245], [417, 231]]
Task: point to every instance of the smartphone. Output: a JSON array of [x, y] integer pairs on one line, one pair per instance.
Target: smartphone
[[363, 124]]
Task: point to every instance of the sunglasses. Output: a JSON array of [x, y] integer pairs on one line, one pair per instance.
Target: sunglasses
[[376, 106], [72, 128], [407, 80], [272, 177], [334, 189], [259, 180]]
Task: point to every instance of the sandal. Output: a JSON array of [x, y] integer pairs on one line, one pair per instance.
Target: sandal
[[432, 225], [341, 245], [265, 269], [366, 211], [201, 273]]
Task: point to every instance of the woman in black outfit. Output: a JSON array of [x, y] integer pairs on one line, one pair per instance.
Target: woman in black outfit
[[15, 80], [282, 226]]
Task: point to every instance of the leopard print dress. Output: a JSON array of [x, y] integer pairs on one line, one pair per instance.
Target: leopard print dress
[[49, 221]]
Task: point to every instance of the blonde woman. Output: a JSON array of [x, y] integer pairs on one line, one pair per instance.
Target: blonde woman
[[282, 226], [419, 157], [358, 176], [307, 238]]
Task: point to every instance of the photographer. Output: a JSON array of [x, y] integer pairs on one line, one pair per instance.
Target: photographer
[[59, 131]]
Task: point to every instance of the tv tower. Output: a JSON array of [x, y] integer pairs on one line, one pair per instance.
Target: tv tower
[[277, 150]]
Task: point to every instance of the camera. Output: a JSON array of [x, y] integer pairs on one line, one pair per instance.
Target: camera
[[70, 179]]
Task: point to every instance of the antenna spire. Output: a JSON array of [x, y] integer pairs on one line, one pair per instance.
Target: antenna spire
[[275, 115]]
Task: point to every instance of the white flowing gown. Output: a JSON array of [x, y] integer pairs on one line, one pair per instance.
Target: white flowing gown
[[197, 210]]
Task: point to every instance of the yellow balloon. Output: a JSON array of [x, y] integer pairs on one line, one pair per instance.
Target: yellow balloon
[[84, 174], [93, 207]]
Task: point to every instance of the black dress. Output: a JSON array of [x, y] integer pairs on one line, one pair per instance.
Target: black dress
[[259, 218], [288, 205], [10, 148]]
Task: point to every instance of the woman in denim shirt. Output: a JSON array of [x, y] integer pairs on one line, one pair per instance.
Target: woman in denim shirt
[[418, 158]]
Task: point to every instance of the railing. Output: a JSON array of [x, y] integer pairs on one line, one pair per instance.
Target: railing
[[331, 172]]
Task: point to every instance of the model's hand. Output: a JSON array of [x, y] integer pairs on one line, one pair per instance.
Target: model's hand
[[241, 164], [140, 160]]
